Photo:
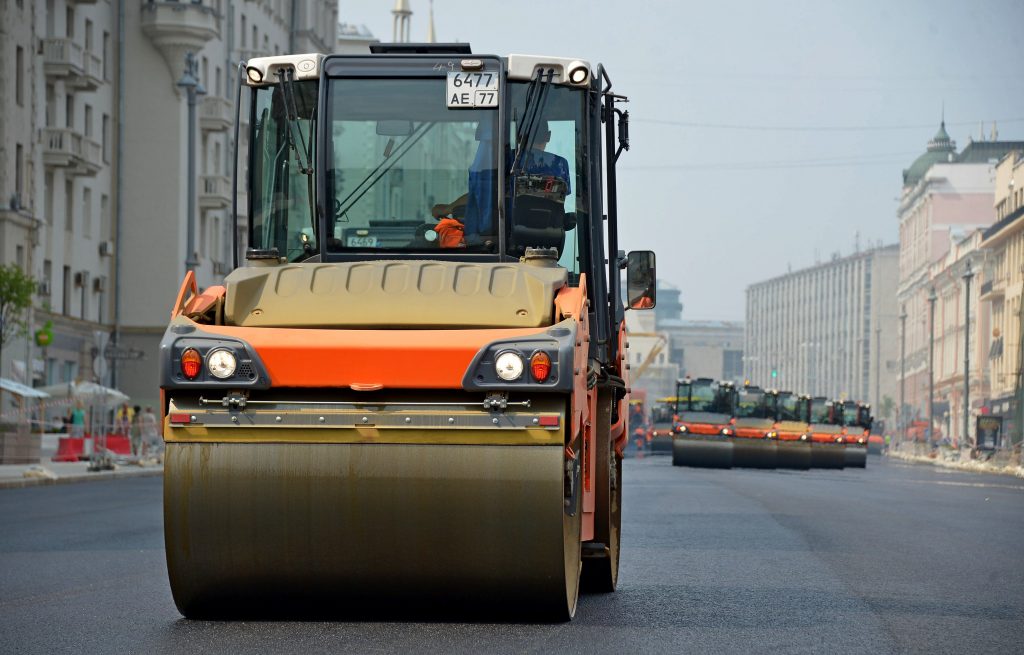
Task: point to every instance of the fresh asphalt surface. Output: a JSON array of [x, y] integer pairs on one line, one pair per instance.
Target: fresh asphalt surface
[[895, 558]]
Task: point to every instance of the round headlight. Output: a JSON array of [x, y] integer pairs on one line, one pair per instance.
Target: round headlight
[[681, 429], [578, 74], [803, 437], [509, 366], [221, 364]]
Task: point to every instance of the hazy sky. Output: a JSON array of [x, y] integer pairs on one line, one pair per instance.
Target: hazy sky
[[764, 134]]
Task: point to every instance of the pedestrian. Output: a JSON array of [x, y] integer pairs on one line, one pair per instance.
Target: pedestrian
[[135, 430], [150, 436], [78, 420], [123, 420]]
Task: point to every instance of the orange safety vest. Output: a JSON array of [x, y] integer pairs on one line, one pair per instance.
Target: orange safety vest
[[450, 232]]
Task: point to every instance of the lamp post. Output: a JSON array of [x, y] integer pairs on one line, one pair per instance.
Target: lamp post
[[968, 274], [932, 297], [878, 368], [194, 91], [903, 371]]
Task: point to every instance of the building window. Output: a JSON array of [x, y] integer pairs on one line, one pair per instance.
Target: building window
[[69, 222], [49, 199], [104, 217], [69, 26], [87, 212], [88, 120], [19, 257], [88, 35], [106, 139], [106, 56], [69, 111], [19, 76], [243, 31], [19, 173], [48, 275], [66, 292]]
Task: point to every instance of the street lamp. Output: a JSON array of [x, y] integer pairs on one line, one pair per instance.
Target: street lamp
[[194, 90], [932, 297], [968, 274], [903, 370]]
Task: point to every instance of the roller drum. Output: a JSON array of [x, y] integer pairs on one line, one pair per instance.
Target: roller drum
[[856, 457], [794, 455], [661, 445], [828, 456], [702, 453], [342, 525], [754, 453]]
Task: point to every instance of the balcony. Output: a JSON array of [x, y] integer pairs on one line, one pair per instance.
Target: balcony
[[65, 59], [992, 289], [214, 192], [176, 28], [216, 114], [65, 148]]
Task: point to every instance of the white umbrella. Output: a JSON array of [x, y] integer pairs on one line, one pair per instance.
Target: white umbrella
[[85, 390]]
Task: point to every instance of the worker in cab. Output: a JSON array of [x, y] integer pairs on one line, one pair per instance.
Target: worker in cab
[[535, 173]]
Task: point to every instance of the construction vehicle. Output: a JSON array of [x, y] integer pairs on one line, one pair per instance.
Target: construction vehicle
[[704, 425], [856, 417], [754, 443], [638, 420], [826, 433], [876, 437], [663, 421], [793, 448], [414, 392]]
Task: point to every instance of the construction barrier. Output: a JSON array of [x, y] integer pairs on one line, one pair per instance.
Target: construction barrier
[[73, 449]]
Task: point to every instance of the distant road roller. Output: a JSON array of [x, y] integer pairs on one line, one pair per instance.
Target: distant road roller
[[793, 447], [826, 433], [663, 420], [413, 393], [705, 423], [754, 438], [857, 421]]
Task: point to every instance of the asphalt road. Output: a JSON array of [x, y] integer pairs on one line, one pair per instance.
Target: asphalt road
[[897, 558]]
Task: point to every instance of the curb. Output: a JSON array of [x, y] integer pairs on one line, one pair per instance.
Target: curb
[[100, 476], [974, 467]]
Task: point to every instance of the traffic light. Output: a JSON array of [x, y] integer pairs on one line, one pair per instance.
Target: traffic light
[[775, 373]]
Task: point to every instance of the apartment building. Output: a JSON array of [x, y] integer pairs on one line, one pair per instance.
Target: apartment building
[[90, 89], [828, 329]]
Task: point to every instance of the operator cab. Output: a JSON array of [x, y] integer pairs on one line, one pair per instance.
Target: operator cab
[[424, 154]]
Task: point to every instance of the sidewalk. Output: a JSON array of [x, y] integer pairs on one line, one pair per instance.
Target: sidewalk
[[948, 458], [14, 476]]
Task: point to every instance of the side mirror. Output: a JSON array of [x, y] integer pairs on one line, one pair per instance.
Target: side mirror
[[640, 280]]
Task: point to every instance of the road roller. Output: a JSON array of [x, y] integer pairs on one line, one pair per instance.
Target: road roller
[[663, 421], [754, 438], [412, 394], [856, 417], [701, 433], [876, 437], [793, 448], [826, 433]]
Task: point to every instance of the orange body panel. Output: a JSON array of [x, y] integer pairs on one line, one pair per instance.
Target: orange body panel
[[749, 433], [704, 428], [789, 436]]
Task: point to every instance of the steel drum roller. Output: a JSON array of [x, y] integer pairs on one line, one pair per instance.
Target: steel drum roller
[[754, 453], [828, 456], [343, 523], [856, 457], [702, 453], [794, 455]]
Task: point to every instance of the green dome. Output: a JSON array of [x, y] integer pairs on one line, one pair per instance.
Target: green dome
[[940, 149]]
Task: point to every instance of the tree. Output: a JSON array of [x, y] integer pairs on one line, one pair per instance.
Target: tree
[[888, 405], [16, 289]]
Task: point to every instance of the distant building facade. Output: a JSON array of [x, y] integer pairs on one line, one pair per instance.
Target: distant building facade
[[947, 196], [110, 254], [827, 330], [708, 349]]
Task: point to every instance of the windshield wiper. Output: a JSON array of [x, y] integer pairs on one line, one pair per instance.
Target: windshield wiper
[[303, 154], [526, 130], [391, 157]]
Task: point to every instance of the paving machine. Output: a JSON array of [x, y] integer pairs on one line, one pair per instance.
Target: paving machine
[[876, 437], [793, 448], [702, 432], [856, 417], [826, 433], [663, 421], [413, 393]]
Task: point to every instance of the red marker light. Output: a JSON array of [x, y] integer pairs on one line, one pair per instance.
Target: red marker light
[[540, 366], [548, 421], [191, 362], [180, 417]]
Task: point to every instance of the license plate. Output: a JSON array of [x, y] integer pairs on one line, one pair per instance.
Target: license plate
[[361, 242], [472, 90]]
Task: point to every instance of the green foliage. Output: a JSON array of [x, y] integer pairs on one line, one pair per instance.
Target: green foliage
[[887, 408], [16, 289]]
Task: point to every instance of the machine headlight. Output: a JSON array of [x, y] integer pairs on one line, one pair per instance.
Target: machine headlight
[[578, 72], [771, 435], [839, 440], [803, 437], [509, 366], [726, 431], [681, 429], [221, 364], [861, 440]]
